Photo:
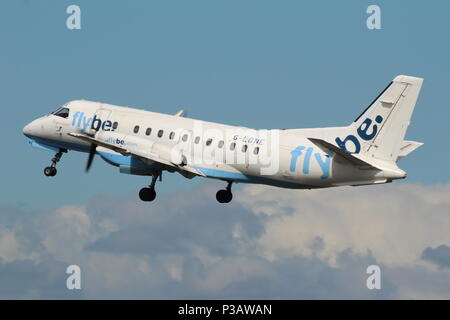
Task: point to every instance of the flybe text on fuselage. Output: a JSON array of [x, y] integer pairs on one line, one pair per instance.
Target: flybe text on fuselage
[[81, 121]]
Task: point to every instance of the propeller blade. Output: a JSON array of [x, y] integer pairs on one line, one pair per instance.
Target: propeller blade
[[92, 151]]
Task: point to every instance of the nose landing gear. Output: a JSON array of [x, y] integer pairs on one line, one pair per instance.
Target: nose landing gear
[[225, 195], [148, 193], [51, 170]]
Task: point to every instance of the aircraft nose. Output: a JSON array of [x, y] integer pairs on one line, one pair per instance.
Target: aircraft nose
[[26, 130], [29, 129]]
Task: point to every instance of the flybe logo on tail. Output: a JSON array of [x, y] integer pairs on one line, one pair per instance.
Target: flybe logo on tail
[[366, 131], [94, 123]]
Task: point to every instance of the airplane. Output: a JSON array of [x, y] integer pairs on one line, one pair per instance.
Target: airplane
[[147, 143]]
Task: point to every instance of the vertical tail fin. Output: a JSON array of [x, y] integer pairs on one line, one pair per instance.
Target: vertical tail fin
[[380, 130]]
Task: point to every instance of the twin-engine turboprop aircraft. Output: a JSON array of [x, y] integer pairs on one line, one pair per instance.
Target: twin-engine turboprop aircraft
[[141, 142]]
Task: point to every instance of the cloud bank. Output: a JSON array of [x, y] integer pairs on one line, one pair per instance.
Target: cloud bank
[[268, 243]]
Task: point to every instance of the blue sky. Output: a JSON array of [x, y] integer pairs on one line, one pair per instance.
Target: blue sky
[[262, 64]]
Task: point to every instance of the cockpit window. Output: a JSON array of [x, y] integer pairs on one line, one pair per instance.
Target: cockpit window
[[61, 112]]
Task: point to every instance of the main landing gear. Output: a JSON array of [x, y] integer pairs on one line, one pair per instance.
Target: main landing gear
[[149, 193], [51, 170], [225, 195]]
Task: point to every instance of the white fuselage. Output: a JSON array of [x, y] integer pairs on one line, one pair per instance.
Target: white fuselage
[[284, 158]]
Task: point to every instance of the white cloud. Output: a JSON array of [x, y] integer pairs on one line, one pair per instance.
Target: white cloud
[[395, 222], [268, 243], [65, 231], [9, 246]]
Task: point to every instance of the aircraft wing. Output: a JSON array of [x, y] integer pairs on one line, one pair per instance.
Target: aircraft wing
[[88, 138], [141, 148]]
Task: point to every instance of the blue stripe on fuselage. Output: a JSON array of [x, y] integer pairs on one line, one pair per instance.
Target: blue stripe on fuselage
[[113, 159], [130, 161], [240, 177], [52, 144]]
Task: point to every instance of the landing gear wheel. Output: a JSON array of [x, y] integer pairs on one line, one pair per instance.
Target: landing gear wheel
[[147, 194], [224, 196], [50, 171]]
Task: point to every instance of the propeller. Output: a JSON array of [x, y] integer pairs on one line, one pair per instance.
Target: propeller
[[92, 151]]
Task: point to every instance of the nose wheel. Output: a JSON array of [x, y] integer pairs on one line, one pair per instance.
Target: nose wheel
[[51, 170], [225, 195], [148, 194]]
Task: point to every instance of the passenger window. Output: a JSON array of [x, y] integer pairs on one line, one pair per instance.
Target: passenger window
[[220, 144], [256, 150], [148, 131], [197, 140], [184, 138], [160, 133], [208, 142], [115, 125], [232, 146], [171, 135], [62, 112], [136, 129], [244, 148]]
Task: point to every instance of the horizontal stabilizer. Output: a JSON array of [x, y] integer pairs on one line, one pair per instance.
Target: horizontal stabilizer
[[344, 154], [407, 147]]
